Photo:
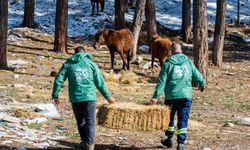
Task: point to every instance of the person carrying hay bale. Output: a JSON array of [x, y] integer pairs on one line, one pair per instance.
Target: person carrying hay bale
[[176, 78], [83, 75]]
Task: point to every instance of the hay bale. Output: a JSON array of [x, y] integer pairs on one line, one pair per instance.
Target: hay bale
[[130, 116]]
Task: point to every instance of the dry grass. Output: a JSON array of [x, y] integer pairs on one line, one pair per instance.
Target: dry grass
[[26, 113], [225, 99], [128, 77]]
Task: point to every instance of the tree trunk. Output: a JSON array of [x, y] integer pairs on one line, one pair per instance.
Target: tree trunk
[[238, 14], [29, 13], [137, 23], [186, 20], [119, 14], [60, 41], [151, 21], [200, 36], [3, 33], [219, 33]]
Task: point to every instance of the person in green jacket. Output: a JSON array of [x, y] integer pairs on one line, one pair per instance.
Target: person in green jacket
[[175, 78], [83, 76]]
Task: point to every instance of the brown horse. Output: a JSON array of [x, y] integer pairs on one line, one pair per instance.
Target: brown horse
[[97, 2], [119, 41], [160, 49]]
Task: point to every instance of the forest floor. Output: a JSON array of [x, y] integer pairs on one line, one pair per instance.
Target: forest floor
[[225, 100]]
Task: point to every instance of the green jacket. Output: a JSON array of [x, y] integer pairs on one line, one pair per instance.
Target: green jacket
[[83, 75], [176, 78]]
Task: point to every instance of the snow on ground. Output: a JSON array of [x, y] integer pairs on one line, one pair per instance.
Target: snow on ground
[[81, 23]]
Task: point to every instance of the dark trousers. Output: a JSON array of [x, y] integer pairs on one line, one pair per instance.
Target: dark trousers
[[182, 107], [85, 117]]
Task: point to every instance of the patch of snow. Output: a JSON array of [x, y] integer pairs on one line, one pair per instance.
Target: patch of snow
[[206, 148], [2, 114], [11, 119], [20, 148], [48, 110], [44, 145], [18, 62], [17, 85], [144, 48], [246, 40], [245, 121], [35, 120], [81, 23], [211, 5], [148, 65], [7, 142], [187, 47], [13, 37], [40, 56], [30, 133]]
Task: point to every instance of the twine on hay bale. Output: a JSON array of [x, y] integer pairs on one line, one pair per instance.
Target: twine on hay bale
[[130, 116]]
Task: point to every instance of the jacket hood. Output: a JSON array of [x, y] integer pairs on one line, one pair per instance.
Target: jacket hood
[[178, 59], [79, 56]]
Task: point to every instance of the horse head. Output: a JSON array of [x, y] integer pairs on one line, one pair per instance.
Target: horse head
[[99, 38]]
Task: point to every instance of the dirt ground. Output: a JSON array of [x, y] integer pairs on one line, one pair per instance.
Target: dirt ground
[[226, 98]]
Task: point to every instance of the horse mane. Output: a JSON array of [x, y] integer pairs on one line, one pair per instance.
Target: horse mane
[[105, 32], [154, 37]]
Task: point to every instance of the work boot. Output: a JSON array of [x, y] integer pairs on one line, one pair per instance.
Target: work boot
[[82, 145], [180, 147], [168, 142], [90, 146]]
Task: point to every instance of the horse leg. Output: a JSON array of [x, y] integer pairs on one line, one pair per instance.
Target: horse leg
[[161, 62], [112, 54], [97, 7], [93, 7], [128, 58], [124, 60], [152, 61], [102, 5]]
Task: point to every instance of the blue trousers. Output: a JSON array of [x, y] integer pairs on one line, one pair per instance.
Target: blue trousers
[[85, 117], [182, 107]]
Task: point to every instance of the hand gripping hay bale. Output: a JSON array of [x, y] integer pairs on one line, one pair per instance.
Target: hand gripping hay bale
[[130, 116]]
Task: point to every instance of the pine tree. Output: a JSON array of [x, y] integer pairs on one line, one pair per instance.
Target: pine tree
[[200, 36], [151, 21], [120, 7], [186, 20], [29, 13], [238, 14], [219, 33], [3, 33], [60, 41], [137, 23]]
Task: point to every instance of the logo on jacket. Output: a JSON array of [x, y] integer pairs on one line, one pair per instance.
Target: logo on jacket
[[180, 71], [81, 73]]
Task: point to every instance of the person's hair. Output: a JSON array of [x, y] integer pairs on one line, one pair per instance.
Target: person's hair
[[176, 47], [80, 49]]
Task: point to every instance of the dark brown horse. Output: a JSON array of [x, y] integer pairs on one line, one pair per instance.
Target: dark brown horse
[[119, 41], [160, 49], [97, 2]]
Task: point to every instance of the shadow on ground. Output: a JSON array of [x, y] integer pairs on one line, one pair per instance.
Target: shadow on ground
[[65, 145]]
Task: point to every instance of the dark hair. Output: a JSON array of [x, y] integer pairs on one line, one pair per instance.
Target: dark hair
[[80, 49]]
